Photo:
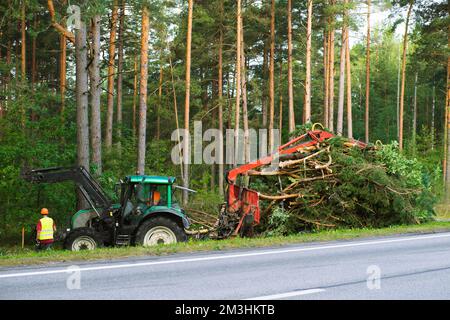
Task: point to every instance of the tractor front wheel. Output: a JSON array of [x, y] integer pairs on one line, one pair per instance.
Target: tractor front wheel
[[159, 230], [83, 239]]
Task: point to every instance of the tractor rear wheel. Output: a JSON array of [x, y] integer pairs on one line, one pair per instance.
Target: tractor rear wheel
[[159, 230], [83, 239]]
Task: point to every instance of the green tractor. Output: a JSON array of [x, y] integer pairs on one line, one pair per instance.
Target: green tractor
[[146, 215]]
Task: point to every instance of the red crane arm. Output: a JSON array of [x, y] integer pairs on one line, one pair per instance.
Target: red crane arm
[[316, 136]]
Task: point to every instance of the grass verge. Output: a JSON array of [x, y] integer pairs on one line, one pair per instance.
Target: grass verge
[[16, 256]]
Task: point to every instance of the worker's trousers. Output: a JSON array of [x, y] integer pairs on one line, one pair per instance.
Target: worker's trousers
[[43, 246]]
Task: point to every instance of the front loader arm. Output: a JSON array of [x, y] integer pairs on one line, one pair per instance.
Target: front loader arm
[[90, 188]]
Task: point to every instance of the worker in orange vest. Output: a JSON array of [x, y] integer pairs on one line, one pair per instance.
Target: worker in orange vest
[[45, 228]]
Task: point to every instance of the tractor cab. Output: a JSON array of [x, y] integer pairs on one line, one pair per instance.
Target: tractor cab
[[148, 213], [143, 195]]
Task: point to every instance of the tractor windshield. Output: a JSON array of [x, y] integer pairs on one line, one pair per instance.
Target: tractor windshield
[[149, 195], [158, 194]]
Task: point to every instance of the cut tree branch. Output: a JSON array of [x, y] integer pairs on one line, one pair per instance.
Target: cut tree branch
[[69, 35]]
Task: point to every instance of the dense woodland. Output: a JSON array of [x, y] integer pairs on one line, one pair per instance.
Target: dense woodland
[[107, 90]]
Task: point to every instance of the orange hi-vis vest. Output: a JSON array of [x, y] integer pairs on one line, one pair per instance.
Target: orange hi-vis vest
[[46, 229]]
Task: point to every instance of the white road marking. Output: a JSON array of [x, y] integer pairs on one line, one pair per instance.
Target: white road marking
[[287, 294], [229, 256]]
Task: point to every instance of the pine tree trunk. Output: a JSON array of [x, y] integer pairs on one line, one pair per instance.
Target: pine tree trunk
[[290, 77], [135, 90], [213, 170], [326, 68], [8, 76], [402, 92], [96, 92], [349, 89], [33, 63], [186, 149], [120, 76], [33, 54], [175, 109], [244, 99], [307, 107], [444, 161], [331, 74], [398, 91], [62, 70], [272, 77], [343, 67], [366, 118], [111, 66], [331, 83], [158, 105], [264, 86], [220, 98], [433, 111], [23, 56], [280, 93], [340, 118], [81, 93], [230, 92], [143, 92], [238, 83], [213, 124], [414, 129], [447, 126]]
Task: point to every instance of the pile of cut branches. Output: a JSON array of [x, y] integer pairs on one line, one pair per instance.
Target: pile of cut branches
[[337, 184]]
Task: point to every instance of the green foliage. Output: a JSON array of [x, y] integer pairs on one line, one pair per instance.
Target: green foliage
[[44, 143], [279, 222], [400, 166], [205, 201]]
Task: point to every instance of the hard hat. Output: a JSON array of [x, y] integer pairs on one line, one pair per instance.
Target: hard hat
[[44, 211]]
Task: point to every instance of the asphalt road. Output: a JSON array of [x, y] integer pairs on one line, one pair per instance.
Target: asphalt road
[[404, 267]]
